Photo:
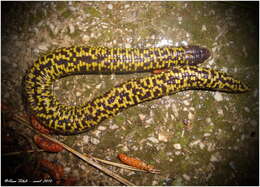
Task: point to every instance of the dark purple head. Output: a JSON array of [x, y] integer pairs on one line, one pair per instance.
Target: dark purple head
[[196, 55]]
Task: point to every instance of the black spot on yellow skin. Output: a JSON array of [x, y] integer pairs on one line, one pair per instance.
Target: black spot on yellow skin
[[182, 75]]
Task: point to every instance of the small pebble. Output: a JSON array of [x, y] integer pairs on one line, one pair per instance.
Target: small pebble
[[78, 94], [214, 49], [224, 69], [83, 167], [127, 45], [213, 158], [85, 38], [113, 127], [141, 116], [206, 134], [186, 177], [102, 128], [43, 47], [94, 141], [177, 153], [247, 109], [99, 85], [202, 145], [86, 139], [180, 20], [96, 132], [209, 121], [134, 148], [218, 96], [175, 110], [131, 173], [51, 26], [211, 62], [71, 28], [67, 169], [153, 140], [211, 147], [154, 183], [110, 6], [72, 8], [163, 137], [149, 121], [195, 142], [125, 149], [185, 102], [185, 43], [92, 35], [112, 76], [177, 146], [220, 111], [216, 157], [190, 116], [204, 28]]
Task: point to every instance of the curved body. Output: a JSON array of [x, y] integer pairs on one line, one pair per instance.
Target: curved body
[[66, 119]]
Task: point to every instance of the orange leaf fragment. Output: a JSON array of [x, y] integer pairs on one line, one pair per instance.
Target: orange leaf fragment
[[135, 162], [37, 125], [55, 170], [47, 145]]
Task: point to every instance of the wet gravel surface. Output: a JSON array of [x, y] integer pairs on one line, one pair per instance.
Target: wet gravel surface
[[193, 137]]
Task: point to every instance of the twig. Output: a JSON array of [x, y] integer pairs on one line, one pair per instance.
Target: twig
[[124, 166], [118, 164], [86, 158], [21, 152]]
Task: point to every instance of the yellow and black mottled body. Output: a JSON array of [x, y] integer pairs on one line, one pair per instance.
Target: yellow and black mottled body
[[64, 119]]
